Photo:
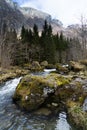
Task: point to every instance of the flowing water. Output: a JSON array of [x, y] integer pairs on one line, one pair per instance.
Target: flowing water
[[11, 118]]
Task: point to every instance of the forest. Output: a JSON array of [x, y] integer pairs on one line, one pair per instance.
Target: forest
[[33, 45]]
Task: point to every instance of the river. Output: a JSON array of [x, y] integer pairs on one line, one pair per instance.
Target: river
[[11, 118]]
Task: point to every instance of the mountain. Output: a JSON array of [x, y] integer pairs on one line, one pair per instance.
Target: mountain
[[15, 16], [10, 15]]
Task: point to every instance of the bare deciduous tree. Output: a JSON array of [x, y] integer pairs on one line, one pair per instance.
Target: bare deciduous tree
[[83, 34]]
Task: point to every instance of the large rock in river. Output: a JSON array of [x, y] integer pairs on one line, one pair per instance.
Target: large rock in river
[[33, 91], [35, 66], [76, 66]]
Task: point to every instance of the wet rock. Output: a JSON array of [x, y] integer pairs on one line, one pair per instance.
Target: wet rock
[[54, 104], [7, 76], [85, 105], [12, 72], [62, 68], [43, 111], [34, 91]]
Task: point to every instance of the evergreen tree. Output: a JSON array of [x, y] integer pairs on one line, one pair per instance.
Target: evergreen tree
[[22, 32], [30, 33], [61, 45], [45, 28], [49, 30], [26, 36], [4, 29], [35, 35], [44, 47], [35, 30], [48, 43]]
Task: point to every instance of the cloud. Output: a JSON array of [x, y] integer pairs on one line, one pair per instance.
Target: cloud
[[67, 11]]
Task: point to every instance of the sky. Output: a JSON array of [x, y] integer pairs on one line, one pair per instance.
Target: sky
[[67, 11]]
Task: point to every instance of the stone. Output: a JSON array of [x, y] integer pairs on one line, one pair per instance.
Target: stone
[[62, 68], [33, 91], [35, 66], [54, 104], [43, 111], [76, 115], [44, 63], [76, 66]]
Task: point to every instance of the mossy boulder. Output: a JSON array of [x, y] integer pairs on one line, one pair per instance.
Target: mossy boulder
[[33, 91], [35, 66], [61, 68], [27, 66], [20, 72], [6, 76], [50, 66], [74, 105], [76, 115], [44, 63], [76, 66]]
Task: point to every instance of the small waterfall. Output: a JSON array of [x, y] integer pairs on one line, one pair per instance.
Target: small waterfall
[[7, 90]]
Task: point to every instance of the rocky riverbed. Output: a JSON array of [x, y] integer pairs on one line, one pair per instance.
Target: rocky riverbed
[[65, 89]]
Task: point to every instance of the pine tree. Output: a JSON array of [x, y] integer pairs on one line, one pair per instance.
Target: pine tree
[[45, 28], [35, 35], [61, 45], [30, 33], [48, 43], [35, 30], [49, 30], [26, 36], [22, 32]]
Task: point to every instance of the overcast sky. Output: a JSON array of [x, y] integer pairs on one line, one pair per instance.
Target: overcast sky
[[67, 11]]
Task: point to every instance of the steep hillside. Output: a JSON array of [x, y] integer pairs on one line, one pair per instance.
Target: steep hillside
[[15, 16], [36, 16], [11, 16]]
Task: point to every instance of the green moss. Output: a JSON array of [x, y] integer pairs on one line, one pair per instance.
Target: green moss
[[58, 79], [50, 66], [82, 97], [36, 84], [31, 89], [66, 93], [60, 68], [28, 87], [77, 115]]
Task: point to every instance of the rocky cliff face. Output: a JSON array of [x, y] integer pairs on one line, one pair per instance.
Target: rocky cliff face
[[10, 15], [15, 16]]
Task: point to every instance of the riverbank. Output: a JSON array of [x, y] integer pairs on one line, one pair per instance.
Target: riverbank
[[74, 68], [11, 73], [17, 71]]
